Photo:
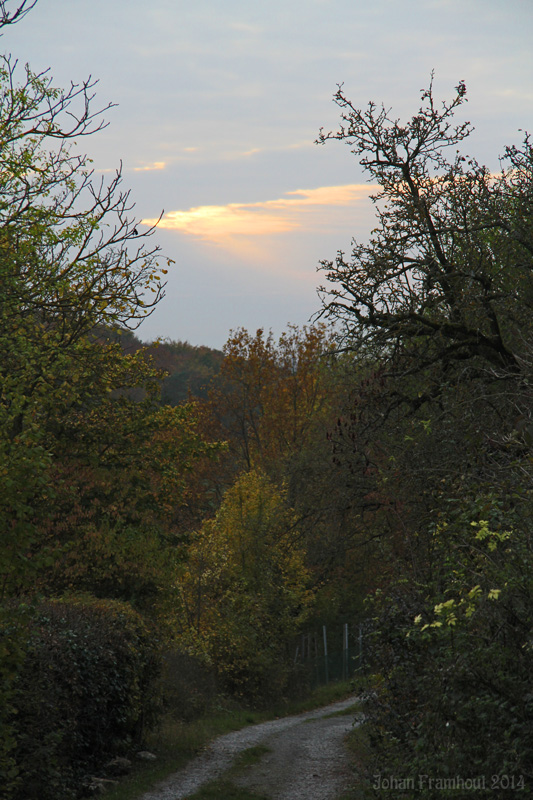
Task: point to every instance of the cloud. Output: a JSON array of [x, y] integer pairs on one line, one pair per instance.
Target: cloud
[[323, 196], [245, 27], [155, 165], [301, 209], [218, 223]]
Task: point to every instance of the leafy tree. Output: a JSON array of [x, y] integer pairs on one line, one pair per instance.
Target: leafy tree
[[72, 432], [434, 442], [436, 308], [277, 404], [66, 268], [455, 654], [271, 394], [123, 479], [245, 589]]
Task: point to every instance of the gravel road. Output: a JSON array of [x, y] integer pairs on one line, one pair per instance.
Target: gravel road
[[307, 761]]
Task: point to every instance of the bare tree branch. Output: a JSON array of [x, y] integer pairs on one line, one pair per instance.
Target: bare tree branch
[[8, 17]]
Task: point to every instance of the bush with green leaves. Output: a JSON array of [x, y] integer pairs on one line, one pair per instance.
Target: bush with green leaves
[[456, 657], [87, 690]]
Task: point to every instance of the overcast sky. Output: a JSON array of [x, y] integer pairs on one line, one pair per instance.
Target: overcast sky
[[219, 104]]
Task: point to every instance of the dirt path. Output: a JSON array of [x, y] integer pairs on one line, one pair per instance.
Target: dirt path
[[307, 759]]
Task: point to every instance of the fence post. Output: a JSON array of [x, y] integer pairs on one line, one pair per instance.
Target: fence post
[[345, 659], [325, 652]]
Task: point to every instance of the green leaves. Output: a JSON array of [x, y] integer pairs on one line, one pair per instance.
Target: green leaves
[[66, 237]]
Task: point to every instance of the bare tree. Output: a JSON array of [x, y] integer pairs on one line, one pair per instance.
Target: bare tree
[[448, 270]]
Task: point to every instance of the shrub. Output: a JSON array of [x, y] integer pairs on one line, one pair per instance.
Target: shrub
[[87, 689], [456, 659]]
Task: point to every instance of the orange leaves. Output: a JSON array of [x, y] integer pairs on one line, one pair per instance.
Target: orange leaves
[[272, 393]]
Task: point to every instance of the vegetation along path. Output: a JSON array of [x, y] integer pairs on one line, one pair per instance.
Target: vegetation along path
[[302, 756]]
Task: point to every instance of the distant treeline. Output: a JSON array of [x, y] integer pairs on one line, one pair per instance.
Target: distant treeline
[[190, 369]]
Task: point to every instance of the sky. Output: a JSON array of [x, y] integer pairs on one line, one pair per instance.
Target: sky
[[219, 104]]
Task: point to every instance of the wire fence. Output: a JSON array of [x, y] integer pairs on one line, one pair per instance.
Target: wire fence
[[322, 666]]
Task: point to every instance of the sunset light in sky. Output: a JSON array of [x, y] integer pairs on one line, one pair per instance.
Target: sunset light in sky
[[303, 208], [219, 104]]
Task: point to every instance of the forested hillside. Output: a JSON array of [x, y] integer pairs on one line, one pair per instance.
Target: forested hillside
[[170, 504], [188, 370]]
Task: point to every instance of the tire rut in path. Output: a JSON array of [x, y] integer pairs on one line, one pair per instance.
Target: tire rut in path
[[308, 759]]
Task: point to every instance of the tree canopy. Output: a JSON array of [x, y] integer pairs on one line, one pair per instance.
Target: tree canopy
[[435, 440], [93, 471], [448, 269]]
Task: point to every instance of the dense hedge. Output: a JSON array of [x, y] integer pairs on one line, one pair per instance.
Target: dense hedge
[[87, 688]]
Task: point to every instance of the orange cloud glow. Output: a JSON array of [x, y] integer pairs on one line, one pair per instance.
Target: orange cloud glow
[[302, 209], [150, 167]]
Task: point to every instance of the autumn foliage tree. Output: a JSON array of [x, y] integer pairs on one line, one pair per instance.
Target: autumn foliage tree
[[270, 394], [273, 403], [245, 589], [277, 403]]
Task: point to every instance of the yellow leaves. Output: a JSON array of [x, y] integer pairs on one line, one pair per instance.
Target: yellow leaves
[[474, 592], [245, 580], [492, 538], [446, 613], [452, 612], [444, 607]]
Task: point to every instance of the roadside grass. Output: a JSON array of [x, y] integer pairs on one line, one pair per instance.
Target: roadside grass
[[176, 742], [359, 749], [249, 757]]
